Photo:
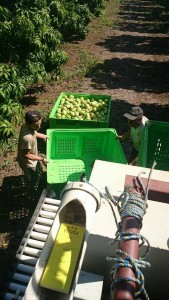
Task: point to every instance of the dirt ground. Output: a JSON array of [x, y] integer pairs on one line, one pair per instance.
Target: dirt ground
[[133, 68]]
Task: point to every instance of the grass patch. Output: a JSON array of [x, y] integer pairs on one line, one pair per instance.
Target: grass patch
[[109, 17], [87, 62]]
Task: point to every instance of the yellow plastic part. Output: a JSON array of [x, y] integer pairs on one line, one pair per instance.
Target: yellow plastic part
[[59, 271]]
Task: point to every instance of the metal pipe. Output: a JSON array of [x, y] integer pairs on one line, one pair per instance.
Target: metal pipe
[[125, 290], [25, 269], [49, 207], [32, 251], [39, 236], [9, 296], [41, 228], [14, 287], [52, 201], [28, 259], [44, 221], [47, 214], [35, 244], [21, 277]]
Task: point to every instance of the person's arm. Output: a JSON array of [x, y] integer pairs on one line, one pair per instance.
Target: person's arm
[[124, 137], [41, 136], [26, 154], [134, 161]]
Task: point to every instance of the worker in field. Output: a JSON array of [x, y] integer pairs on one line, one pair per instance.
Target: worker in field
[[28, 158], [136, 121]]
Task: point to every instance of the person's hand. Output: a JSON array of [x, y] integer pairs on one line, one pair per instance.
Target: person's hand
[[41, 136], [124, 137], [45, 137], [45, 161], [119, 137], [134, 161]]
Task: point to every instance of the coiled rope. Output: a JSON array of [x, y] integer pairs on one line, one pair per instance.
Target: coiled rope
[[124, 260], [127, 235], [131, 205]]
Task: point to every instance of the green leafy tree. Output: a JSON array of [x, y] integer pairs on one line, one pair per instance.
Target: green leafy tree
[[31, 32]]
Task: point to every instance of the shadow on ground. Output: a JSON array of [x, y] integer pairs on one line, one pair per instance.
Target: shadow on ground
[[15, 214], [140, 61], [145, 16], [131, 74]]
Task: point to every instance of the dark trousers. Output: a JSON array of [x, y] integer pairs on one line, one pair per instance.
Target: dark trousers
[[133, 154], [32, 179]]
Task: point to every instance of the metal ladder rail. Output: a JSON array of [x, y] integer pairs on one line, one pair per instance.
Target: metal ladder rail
[[31, 246]]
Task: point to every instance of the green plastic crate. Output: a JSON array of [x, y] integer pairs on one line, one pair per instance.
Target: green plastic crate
[[155, 146], [73, 152], [55, 122]]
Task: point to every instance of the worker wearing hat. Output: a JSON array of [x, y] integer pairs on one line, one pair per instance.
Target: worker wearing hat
[[28, 157], [136, 120]]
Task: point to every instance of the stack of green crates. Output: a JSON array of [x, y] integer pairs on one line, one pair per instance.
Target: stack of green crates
[[155, 146], [56, 122], [73, 152], [74, 145]]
